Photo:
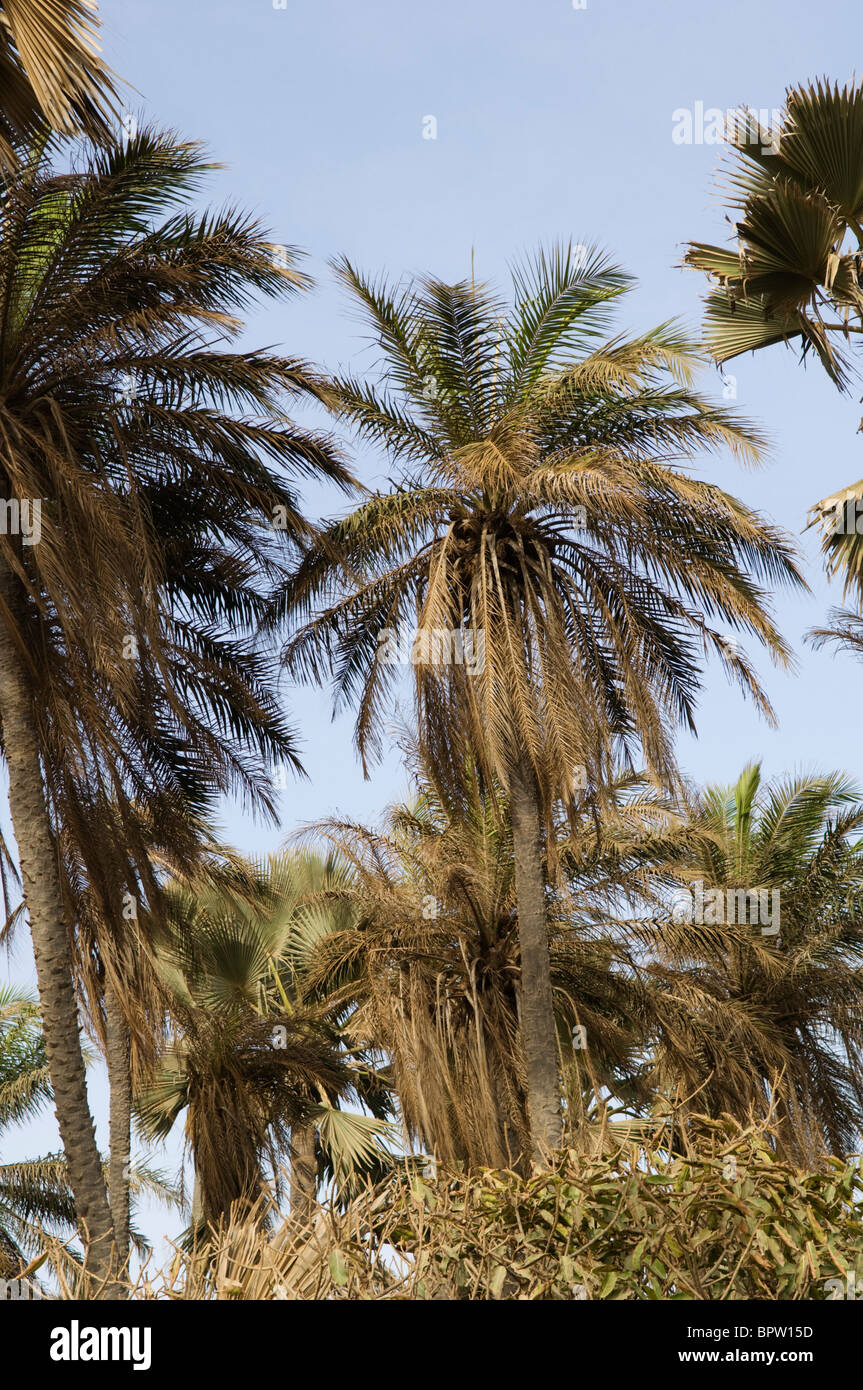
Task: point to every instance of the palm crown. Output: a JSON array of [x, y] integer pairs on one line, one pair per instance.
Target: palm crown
[[429, 957], [124, 413], [538, 505], [754, 1018], [254, 1058]]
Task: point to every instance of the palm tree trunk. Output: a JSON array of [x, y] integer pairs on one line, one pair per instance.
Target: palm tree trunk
[[52, 949], [512, 1148], [120, 1121], [197, 1203], [536, 1007], [304, 1174]]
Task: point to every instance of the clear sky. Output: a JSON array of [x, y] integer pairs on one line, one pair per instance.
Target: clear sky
[[552, 122]]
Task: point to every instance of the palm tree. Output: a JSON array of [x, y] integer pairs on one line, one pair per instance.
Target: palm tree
[[309, 901], [35, 1195], [51, 71], [761, 1013], [427, 963], [123, 998], [425, 966], [147, 508], [254, 1064], [795, 275], [543, 552], [36, 1191]]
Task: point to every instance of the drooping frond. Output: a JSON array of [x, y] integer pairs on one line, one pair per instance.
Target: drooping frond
[[51, 73], [542, 525]]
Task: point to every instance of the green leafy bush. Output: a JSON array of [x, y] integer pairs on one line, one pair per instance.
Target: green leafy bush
[[719, 1216], [727, 1221]]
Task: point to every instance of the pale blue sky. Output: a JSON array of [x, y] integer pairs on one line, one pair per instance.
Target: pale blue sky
[[552, 123]]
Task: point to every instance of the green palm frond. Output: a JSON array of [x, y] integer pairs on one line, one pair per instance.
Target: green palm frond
[[37, 1190], [558, 311], [353, 1145], [756, 1020], [145, 1180], [256, 1050], [796, 274], [25, 1085]]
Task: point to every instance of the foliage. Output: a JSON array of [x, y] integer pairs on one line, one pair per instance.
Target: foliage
[[428, 960], [542, 500], [796, 274], [749, 1017], [51, 73], [35, 1197], [726, 1219], [251, 1056]]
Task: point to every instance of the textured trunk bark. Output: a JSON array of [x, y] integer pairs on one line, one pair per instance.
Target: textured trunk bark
[[52, 951], [120, 1119], [304, 1175], [512, 1146], [535, 1001], [197, 1203]]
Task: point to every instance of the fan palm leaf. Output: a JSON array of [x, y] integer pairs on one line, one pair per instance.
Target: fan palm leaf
[[255, 1061], [796, 274]]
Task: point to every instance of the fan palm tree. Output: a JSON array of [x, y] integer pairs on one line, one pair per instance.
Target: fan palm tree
[[795, 275], [51, 71], [253, 1063], [760, 1006], [309, 899], [150, 460], [540, 562]]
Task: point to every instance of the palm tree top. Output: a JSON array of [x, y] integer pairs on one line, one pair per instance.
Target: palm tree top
[[462, 366], [761, 832], [763, 1016], [545, 498]]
